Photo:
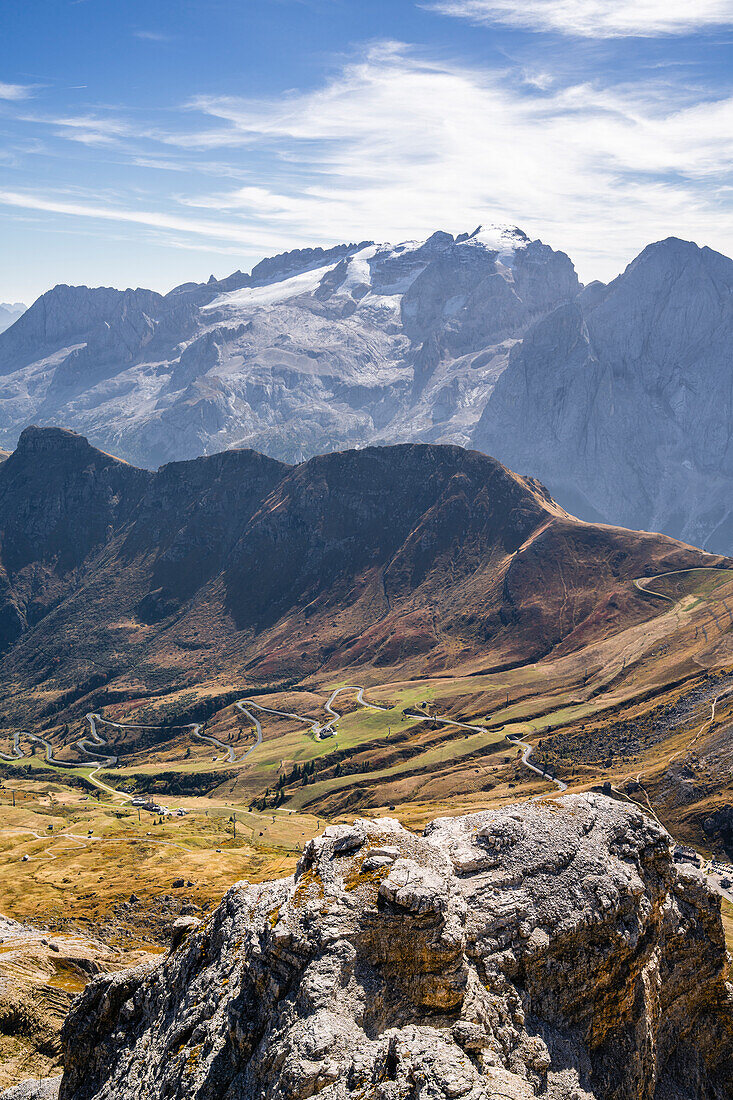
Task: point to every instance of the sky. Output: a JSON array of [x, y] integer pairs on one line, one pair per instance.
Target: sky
[[158, 142]]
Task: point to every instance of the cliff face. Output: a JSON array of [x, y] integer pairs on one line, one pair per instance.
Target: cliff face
[[548, 949], [621, 401]]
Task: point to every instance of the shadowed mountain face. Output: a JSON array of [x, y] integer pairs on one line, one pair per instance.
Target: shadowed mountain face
[[622, 400], [237, 567]]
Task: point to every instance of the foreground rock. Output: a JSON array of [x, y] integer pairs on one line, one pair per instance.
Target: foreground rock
[[33, 1090], [550, 949]]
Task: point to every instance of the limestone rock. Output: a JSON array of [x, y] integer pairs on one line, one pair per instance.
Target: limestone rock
[[33, 1090], [182, 927], [550, 949]]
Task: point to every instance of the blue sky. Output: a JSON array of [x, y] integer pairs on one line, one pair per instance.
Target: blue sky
[[147, 144]]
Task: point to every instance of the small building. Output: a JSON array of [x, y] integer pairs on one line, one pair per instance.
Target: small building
[[684, 854]]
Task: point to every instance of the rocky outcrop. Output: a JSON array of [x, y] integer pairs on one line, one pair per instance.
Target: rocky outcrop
[[33, 1090], [549, 949], [39, 976]]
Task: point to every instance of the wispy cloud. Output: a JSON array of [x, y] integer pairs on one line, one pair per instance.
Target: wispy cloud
[[92, 131], [152, 36], [595, 18], [469, 145], [248, 236], [398, 144], [16, 91]]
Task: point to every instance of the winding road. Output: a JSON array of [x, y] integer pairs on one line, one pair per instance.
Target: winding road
[[528, 750], [513, 738], [330, 726], [705, 726], [18, 753], [89, 745], [642, 583], [319, 729], [93, 741]]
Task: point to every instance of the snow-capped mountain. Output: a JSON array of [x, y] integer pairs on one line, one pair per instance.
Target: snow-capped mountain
[[9, 313], [618, 397], [313, 351]]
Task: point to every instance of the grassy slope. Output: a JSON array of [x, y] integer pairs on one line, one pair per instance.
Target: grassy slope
[[569, 706]]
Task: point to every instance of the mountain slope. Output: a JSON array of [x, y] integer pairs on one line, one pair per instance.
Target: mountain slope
[[618, 397], [622, 402], [238, 568], [313, 351]]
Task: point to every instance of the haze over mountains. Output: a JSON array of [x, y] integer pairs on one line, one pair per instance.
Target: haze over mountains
[[619, 398], [9, 313]]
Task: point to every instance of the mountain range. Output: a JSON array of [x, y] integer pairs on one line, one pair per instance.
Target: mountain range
[[238, 568], [9, 313], [618, 397]]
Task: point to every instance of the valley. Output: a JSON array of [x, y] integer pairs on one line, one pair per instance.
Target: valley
[[288, 761], [205, 667], [366, 550]]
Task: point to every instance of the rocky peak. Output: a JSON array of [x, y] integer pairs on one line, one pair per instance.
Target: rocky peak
[[59, 497], [545, 949], [604, 400], [59, 441], [66, 311], [670, 308], [67, 318], [482, 288], [9, 313], [673, 255], [301, 259]]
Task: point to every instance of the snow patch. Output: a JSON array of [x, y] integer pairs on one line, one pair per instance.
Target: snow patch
[[507, 240], [358, 272], [257, 297]]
